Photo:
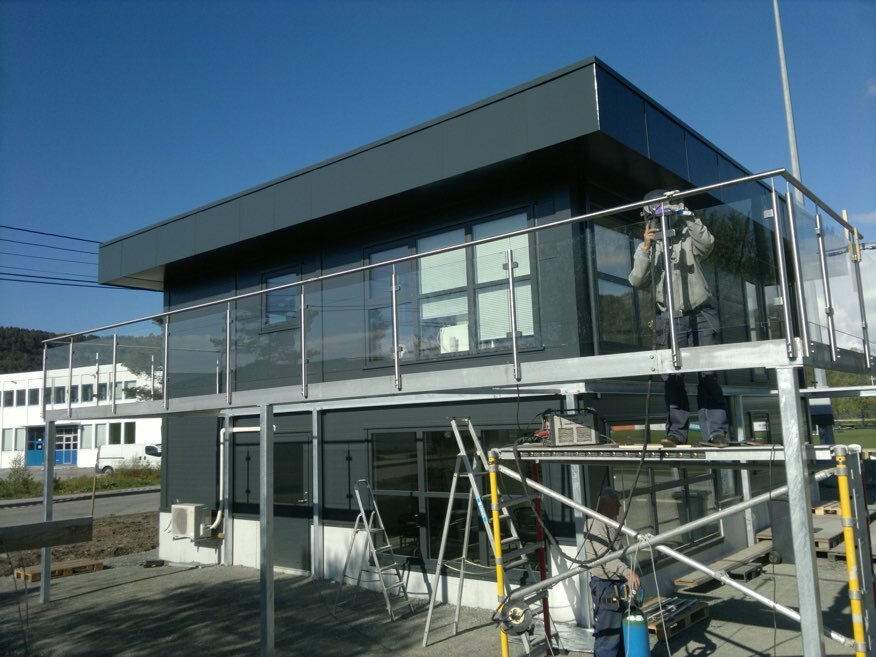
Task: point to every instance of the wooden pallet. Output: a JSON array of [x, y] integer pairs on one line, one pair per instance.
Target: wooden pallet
[[736, 565], [828, 508], [838, 553], [59, 569], [827, 533], [834, 509], [674, 623]]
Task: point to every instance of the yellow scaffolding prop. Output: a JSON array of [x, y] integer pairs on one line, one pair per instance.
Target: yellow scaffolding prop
[[497, 545], [851, 558]]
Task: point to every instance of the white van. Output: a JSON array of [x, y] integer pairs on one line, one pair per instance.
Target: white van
[[110, 457]]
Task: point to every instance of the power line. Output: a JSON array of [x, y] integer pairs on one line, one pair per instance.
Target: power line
[[42, 271], [21, 255], [39, 232], [96, 287], [46, 246], [51, 278]]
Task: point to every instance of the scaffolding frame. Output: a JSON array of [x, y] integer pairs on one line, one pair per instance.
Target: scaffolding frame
[[803, 543]]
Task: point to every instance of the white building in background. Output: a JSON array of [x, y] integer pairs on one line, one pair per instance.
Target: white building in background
[[22, 429]]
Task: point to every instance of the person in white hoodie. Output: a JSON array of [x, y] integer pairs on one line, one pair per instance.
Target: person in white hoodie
[[696, 321]]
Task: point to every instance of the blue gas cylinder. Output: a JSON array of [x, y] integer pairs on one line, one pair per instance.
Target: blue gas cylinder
[[635, 633]]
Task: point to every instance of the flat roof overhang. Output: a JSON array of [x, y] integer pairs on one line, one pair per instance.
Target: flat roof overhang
[[585, 110]]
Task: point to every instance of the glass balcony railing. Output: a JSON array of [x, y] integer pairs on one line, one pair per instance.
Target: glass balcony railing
[[764, 257]]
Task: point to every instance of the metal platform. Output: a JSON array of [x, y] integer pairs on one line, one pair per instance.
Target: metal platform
[[655, 455]]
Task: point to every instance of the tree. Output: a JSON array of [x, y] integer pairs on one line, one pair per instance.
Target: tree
[[21, 349]]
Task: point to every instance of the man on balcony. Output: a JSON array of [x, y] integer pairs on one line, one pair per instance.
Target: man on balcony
[[688, 241]]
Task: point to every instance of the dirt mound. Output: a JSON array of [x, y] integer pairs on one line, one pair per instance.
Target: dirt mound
[[113, 536]]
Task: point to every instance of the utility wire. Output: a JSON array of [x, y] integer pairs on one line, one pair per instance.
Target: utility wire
[[21, 255], [39, 232], [42, 271], [46, 246], [51, 278], [96, 287]]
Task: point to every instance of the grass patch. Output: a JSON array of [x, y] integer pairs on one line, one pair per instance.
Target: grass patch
[[121, 478], [20, 484]]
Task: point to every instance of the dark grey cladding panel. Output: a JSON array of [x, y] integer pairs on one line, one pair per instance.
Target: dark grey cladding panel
[[217, 226], [551, 110], [258, 213]]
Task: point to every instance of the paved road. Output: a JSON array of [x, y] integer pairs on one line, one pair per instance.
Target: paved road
[[104, 506]]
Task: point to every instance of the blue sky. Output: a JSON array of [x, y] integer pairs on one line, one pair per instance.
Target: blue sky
[[117, 114]]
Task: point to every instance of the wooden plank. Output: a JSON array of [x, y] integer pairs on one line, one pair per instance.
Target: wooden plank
[[45, 534], [730, 563], [59, 569], [838, 553], [673, 622]]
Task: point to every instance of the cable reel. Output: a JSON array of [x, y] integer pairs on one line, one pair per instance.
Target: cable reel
[[516, 619]]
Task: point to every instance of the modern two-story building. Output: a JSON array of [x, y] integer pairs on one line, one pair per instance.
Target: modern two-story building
[[472, 266]]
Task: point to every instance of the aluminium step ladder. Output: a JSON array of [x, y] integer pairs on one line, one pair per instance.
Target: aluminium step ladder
[[515, 553], [377, 557]]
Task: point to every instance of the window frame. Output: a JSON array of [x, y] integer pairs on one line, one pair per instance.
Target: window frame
[[267, 326], [411, 294]]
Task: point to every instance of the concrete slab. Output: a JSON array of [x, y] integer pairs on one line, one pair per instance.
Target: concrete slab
[[129, 610]]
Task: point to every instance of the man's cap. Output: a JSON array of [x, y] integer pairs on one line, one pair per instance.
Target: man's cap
[[609, 493], [655, 193]]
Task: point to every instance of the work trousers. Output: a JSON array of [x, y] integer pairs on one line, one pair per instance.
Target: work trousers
[[697, 328], [608, 640]]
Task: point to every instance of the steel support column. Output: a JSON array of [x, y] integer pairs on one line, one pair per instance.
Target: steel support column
[[48, 482], [266, 529], [799, 505], [317, 561]]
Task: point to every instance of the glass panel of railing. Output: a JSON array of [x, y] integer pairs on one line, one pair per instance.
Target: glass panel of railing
[[93, 367], [624, 292], [335, 328], [267, 339], [725, 281], [439, 303], [812, 283], [140, 358], [844, 291], [740, 266], [57, 392], [196, 352], [379, 314]]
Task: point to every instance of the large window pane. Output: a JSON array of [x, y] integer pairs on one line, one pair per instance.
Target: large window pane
[[380, 277], [87, 436], [282, 306], [443, 271], [380, 333], [444, 324], [441, 451], [99, 435], [490, 258], [613, 251], [395, 461], [617, 313]]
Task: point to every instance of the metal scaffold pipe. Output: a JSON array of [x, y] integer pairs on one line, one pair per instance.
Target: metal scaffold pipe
[[656, 543], [497, 545], [842, 477]]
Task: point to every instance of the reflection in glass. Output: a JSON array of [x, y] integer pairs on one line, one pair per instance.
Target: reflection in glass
[[617, 312], [196, 352], [395, 460]]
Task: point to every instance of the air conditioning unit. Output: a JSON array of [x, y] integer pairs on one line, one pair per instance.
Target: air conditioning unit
[[190, 520], [575, 429]]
